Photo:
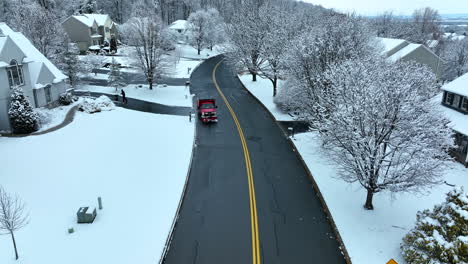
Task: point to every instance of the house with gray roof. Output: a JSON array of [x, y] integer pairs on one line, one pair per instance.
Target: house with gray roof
[[455, 106], [400, 49], [22, 65], [88, 30]]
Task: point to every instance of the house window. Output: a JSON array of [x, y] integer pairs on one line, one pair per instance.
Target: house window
[[107, 29], [465, 103], [15, 74], [47, 94], [449, 98]]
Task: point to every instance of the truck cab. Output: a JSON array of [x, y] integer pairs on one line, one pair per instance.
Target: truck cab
[[207, 110]]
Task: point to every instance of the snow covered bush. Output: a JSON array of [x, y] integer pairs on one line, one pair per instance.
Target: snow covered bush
[[22, 117], [44, 116], [66, 98], [440, 235], [90, 105]]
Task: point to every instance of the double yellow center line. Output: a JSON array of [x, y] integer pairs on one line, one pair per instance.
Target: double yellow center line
[[253, 203]]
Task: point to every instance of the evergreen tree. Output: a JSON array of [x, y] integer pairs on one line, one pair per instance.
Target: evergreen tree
[[440, 235], [22, 117], [115, 78], [88, 7], [71, 64]]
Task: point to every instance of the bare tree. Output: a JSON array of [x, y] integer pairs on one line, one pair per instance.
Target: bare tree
[[456, 56], [381, 127], [280, 29], [246, 35], [149, 41], [337, 39], [13, 215], [199, 25], [426, 26]]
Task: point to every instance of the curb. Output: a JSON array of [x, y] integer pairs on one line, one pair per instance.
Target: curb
[[343, 249]]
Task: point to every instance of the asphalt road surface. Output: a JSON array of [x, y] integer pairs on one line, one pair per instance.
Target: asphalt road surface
[[252, 202]]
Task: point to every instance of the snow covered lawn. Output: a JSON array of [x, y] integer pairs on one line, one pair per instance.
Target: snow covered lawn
[[189, 52], [183, 68], [381, 230], [263, 90], [129, 158], [169, 95]]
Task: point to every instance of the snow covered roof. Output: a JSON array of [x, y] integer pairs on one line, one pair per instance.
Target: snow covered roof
[[404, 51], [88, 19], [179, 24], [389, 43], [35, 59], [453, 36], [458, 121], [458, 86]]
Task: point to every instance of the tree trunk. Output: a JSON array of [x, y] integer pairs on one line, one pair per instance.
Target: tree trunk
[[14, 244], [275, 86], [368, 205], [254, 77], [151, 85], [199, 50]]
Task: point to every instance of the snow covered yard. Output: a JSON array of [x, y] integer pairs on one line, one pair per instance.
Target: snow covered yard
[[127, 158], [263, 90], [189, 52], [182, 68], [169, 95], [380, 230]]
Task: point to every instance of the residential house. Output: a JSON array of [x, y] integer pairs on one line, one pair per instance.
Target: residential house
[[21, 64], [88, 30], [400, 49], [455, 106], [179, 28]]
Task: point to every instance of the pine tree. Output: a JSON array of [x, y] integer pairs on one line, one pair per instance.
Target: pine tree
[[88, 7], [440, 235], [22, 117], [115, 78], [71, 64]]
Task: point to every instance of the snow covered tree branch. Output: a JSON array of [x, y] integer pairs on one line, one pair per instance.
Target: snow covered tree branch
[[149, 42], [381, 128], [13, 215]]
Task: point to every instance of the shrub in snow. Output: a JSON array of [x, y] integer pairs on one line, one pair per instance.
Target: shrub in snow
[[440, 235], [66, 98], [22, 117], [43, 116], [103, 103]]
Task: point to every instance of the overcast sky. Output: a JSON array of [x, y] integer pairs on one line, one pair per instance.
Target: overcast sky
[[399, 7]]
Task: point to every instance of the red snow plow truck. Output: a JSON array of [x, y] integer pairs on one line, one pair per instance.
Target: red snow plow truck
[[207, 110]]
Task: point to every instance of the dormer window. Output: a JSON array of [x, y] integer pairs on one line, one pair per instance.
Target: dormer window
[[15, 74]]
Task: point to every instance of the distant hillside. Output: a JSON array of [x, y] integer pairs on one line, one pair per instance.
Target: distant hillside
[[462, 16]]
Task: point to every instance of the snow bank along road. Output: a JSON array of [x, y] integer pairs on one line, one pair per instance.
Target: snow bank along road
[[248, 199]]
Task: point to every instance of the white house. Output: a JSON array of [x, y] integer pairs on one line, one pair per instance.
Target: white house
[[89, 29], [400, 49], [179, 28], [21, 64], [455, 106]]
